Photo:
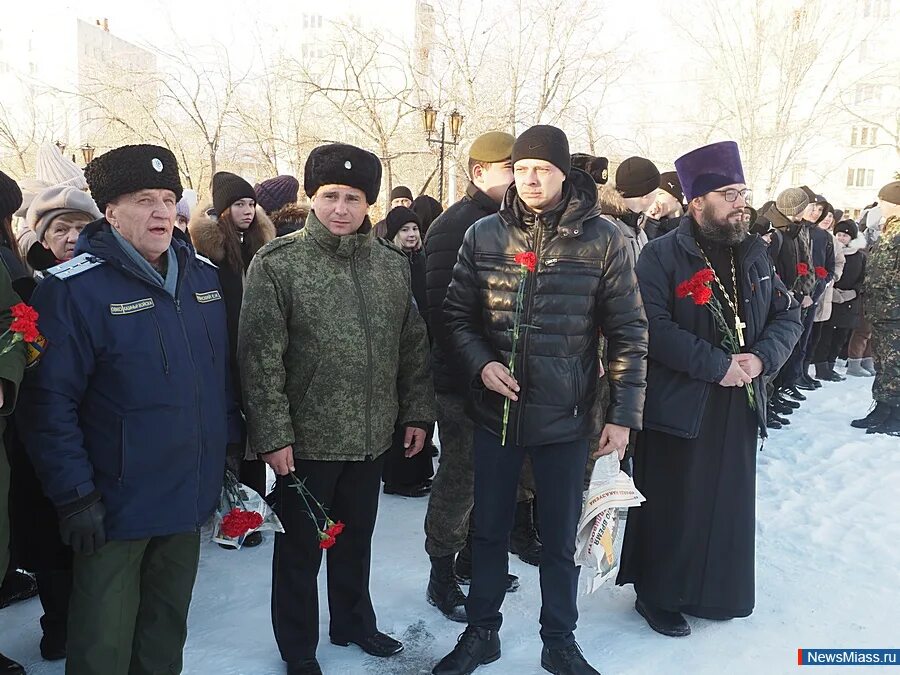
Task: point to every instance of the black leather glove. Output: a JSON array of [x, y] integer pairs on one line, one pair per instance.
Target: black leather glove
[[84, 530]]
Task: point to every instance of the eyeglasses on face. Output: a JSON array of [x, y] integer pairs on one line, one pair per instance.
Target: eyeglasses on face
[[731, 194]]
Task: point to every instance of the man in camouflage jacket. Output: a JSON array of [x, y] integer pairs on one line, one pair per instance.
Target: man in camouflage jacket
[[882, 309], [332, 353]]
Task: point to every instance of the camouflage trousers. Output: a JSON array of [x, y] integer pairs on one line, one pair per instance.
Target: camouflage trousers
[[886, 348], [453, 490]]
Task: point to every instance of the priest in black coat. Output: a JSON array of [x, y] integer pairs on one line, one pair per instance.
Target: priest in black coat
[[689, 549]]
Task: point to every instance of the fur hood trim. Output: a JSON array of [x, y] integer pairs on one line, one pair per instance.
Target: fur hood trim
[[209, 240], [611, 201]]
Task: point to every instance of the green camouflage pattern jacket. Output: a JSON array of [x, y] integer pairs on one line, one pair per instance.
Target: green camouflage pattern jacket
[[882, 297], [331, 348]]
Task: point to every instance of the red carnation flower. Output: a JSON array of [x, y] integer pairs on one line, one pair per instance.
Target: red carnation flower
[[335, 529], [702, 295], [528, 259], [684, 289], [802, 269], [237, 523], [326, 540], [821, 272], [705, 276]]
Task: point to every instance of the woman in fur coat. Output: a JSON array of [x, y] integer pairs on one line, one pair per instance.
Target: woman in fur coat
[[230, 233]]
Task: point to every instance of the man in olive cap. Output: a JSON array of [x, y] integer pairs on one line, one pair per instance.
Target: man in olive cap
[[450, 504], [127, 415], [332, 353], [882, 309]]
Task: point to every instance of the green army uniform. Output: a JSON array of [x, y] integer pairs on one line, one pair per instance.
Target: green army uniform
[[882, 308], [333, 353]]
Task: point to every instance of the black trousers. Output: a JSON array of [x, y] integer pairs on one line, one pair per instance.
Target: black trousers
[[831, 339], [349, 492], [559, 481]]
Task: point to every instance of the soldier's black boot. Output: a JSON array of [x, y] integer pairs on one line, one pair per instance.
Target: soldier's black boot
[[566, 661], [524, 541], [475, 647], [443, 591], [890, 426], [878, 415]]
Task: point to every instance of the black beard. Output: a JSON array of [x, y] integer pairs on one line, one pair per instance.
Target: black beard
[[724, 232]]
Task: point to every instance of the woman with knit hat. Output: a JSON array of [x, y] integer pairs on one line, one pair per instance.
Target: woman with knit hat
[[408, 476], [57, 216], [230, 234]]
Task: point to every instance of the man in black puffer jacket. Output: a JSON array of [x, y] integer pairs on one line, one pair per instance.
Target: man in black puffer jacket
[[582, 282]]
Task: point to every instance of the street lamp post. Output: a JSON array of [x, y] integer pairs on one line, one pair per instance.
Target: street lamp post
[[429, 119], [87, 153]]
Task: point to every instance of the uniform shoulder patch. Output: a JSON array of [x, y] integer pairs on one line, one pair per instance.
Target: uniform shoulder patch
[[77, 265], [275, 244], [203, 258], [390, 246]]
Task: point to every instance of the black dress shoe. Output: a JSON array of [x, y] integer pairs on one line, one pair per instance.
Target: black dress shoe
[[566, 661], [784, 400], [17, 586], [807, 387], [304, 667], [376, 644], [10, 667], [663, 621], [475, 647], [794, 393], [420, 490]]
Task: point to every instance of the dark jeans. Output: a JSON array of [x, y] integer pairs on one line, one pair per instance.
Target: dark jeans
[[349, 492], [559, 479], [792, 370], [831, 340], [129, 607]]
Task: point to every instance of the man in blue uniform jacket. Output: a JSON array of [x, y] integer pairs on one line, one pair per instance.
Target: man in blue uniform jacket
[[127, 415]]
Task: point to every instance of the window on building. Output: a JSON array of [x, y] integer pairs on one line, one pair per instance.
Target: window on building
[[306, 20], [32, 68], [797, 173], [863, 136], [320, 20], [860, 177]]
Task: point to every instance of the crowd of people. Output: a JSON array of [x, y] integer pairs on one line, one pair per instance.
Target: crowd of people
[[553, 315]]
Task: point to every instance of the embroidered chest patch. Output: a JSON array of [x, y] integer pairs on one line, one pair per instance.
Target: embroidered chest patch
[[208, 296], [131, 307]]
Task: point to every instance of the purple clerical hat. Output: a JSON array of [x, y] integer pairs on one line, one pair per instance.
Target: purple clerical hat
[[709, 168]]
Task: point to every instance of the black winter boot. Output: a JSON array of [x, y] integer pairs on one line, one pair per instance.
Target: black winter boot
[[663, 621], [464, 570], [566, 661], [523, 540], [10, 667], [891, 426], [443, 591], [475, 647], [17, 586], [877, 416], [772, 421], [836, 377]]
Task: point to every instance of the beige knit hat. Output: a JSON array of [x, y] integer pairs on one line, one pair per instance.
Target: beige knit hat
[[56, 201], [30, 188], [54, 169], [791, 202]]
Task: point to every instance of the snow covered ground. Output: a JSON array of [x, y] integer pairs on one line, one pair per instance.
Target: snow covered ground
[[828, 576]]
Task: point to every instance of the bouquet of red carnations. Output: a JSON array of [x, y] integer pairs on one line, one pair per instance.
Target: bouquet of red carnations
[[241, 511]]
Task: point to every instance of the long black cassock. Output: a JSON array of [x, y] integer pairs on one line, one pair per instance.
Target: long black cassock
[[690, 546]]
